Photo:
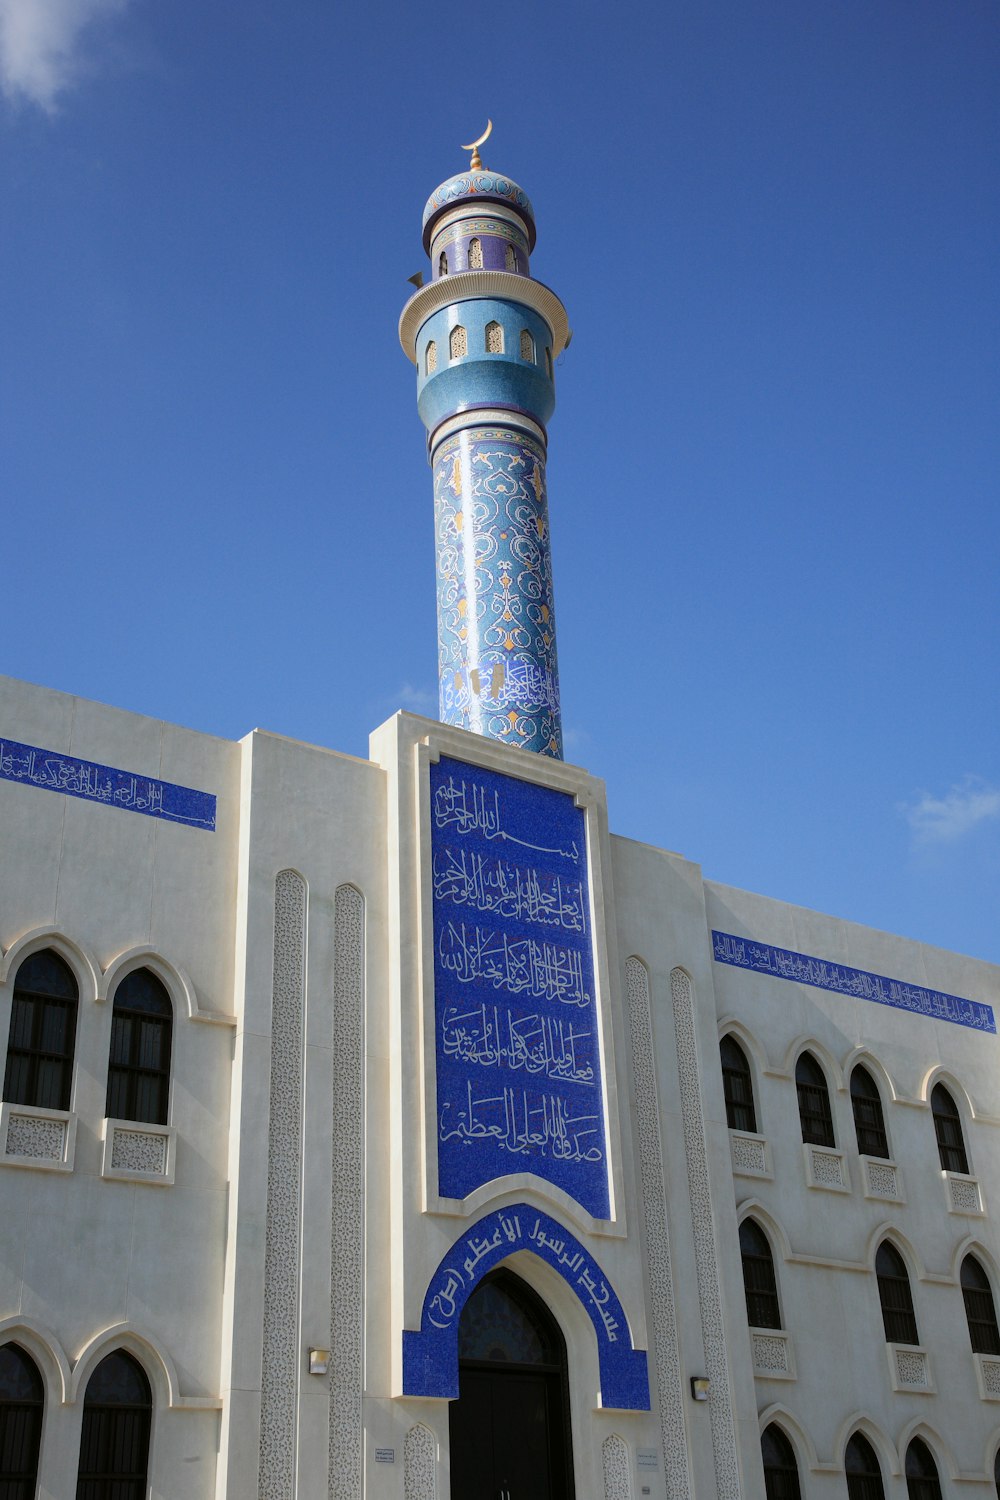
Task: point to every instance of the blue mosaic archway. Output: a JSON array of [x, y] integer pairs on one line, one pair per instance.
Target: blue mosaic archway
[[430, 1357]]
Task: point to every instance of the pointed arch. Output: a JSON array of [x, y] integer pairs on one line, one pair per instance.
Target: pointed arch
[[420, 1463], [867, 1058], [754, 1208], [79, 958], [860, 1422], [780, 1416], [730, 1025], [940, 1451], [430, 1354], [821, 1052], [45, 1349], [957, 1089], [157, 1364], [889, 1231]]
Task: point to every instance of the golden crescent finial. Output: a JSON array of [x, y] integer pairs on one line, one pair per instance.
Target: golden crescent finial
[[476, 161]]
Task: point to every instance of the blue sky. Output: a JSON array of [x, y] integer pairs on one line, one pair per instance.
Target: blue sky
[[774, 462]]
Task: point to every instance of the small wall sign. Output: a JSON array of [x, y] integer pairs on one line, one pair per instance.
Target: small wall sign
[[385, 1455], [647, 1458]]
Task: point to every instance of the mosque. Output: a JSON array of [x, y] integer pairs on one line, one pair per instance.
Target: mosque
[[390, 1128]]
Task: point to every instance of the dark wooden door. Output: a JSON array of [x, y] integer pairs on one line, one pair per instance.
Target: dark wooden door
[[508, 1435]]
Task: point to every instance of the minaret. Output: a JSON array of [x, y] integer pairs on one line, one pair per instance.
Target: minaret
[[484, 337]]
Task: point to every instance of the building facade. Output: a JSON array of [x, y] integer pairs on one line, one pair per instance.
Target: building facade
[[390, 1128]]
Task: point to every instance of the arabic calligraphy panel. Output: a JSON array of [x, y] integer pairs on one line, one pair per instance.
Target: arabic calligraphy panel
[[519, 1084]]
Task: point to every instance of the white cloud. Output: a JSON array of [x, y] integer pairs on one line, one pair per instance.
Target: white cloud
[[937, 820], [416, 700], [41, 45]]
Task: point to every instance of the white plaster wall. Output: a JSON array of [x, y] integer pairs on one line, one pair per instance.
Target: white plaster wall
[[825, 1240], [81, 1254]]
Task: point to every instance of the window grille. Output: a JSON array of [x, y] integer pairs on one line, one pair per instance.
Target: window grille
[[948, 1129], [922, 1482], [114, 1444], [431, 358], [42, 1033], [737, 1086], [527, 346], [980, 1310], [781, 1472], [814, 1102], [21, 1405], [475, 255], [864, 1477], [510, 258], [442, 264], [758, 1277], [869, 1123], [494, 338], [894, 1294], [458, 343], [139, 1067]]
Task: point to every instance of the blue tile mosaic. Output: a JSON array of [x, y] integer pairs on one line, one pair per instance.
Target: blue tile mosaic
[[519, 1085], [496, 615], [430, 1357], [54, 772], [785, 963]]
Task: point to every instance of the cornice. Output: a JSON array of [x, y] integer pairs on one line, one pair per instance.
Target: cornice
[[471, 286]]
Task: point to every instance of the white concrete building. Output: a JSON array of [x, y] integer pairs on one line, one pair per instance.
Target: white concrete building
[[281, 1250]]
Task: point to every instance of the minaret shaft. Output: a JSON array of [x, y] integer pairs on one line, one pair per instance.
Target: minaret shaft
[[484, 336]]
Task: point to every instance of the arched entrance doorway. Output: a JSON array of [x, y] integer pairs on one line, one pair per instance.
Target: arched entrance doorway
[[509, 1428]]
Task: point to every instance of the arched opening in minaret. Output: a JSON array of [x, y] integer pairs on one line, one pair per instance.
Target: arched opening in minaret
[[431, 358], [527, 346], [510, 1427], [510, 258], [458, 343], [494, 338], [442, 264], [475, 255]]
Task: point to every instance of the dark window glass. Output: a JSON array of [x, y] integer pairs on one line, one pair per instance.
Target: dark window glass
[[868, 1122], [996, 1474], [979, 1308], [139, 1066], [20, 1423], [504, 1321], [922, 1482], [781, 1473], [894, 1295], [42, 1033], [114, 1447], [814, 1102], [758, 1277], [948, 1129], [864, 1477], [737, 1086]]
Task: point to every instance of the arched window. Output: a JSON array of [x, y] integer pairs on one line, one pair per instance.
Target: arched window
[[922, 1482], [494, 338], [458, 343], [510, 258], [475, 255], [814, 1102], [431, 358], [548, 361], [114, 1447], [894, 1295], [527, 346], [42, 1033], [781, 1472], [737, 1086], [979, 1308], [869, 1124], [864, 1476], [948, 1129], [21, 1402], [139, 1067], [758, 1277], [442, 264]]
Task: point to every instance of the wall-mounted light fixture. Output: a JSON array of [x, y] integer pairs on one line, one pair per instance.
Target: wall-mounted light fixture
[[319, 1361], [699, 1387]]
